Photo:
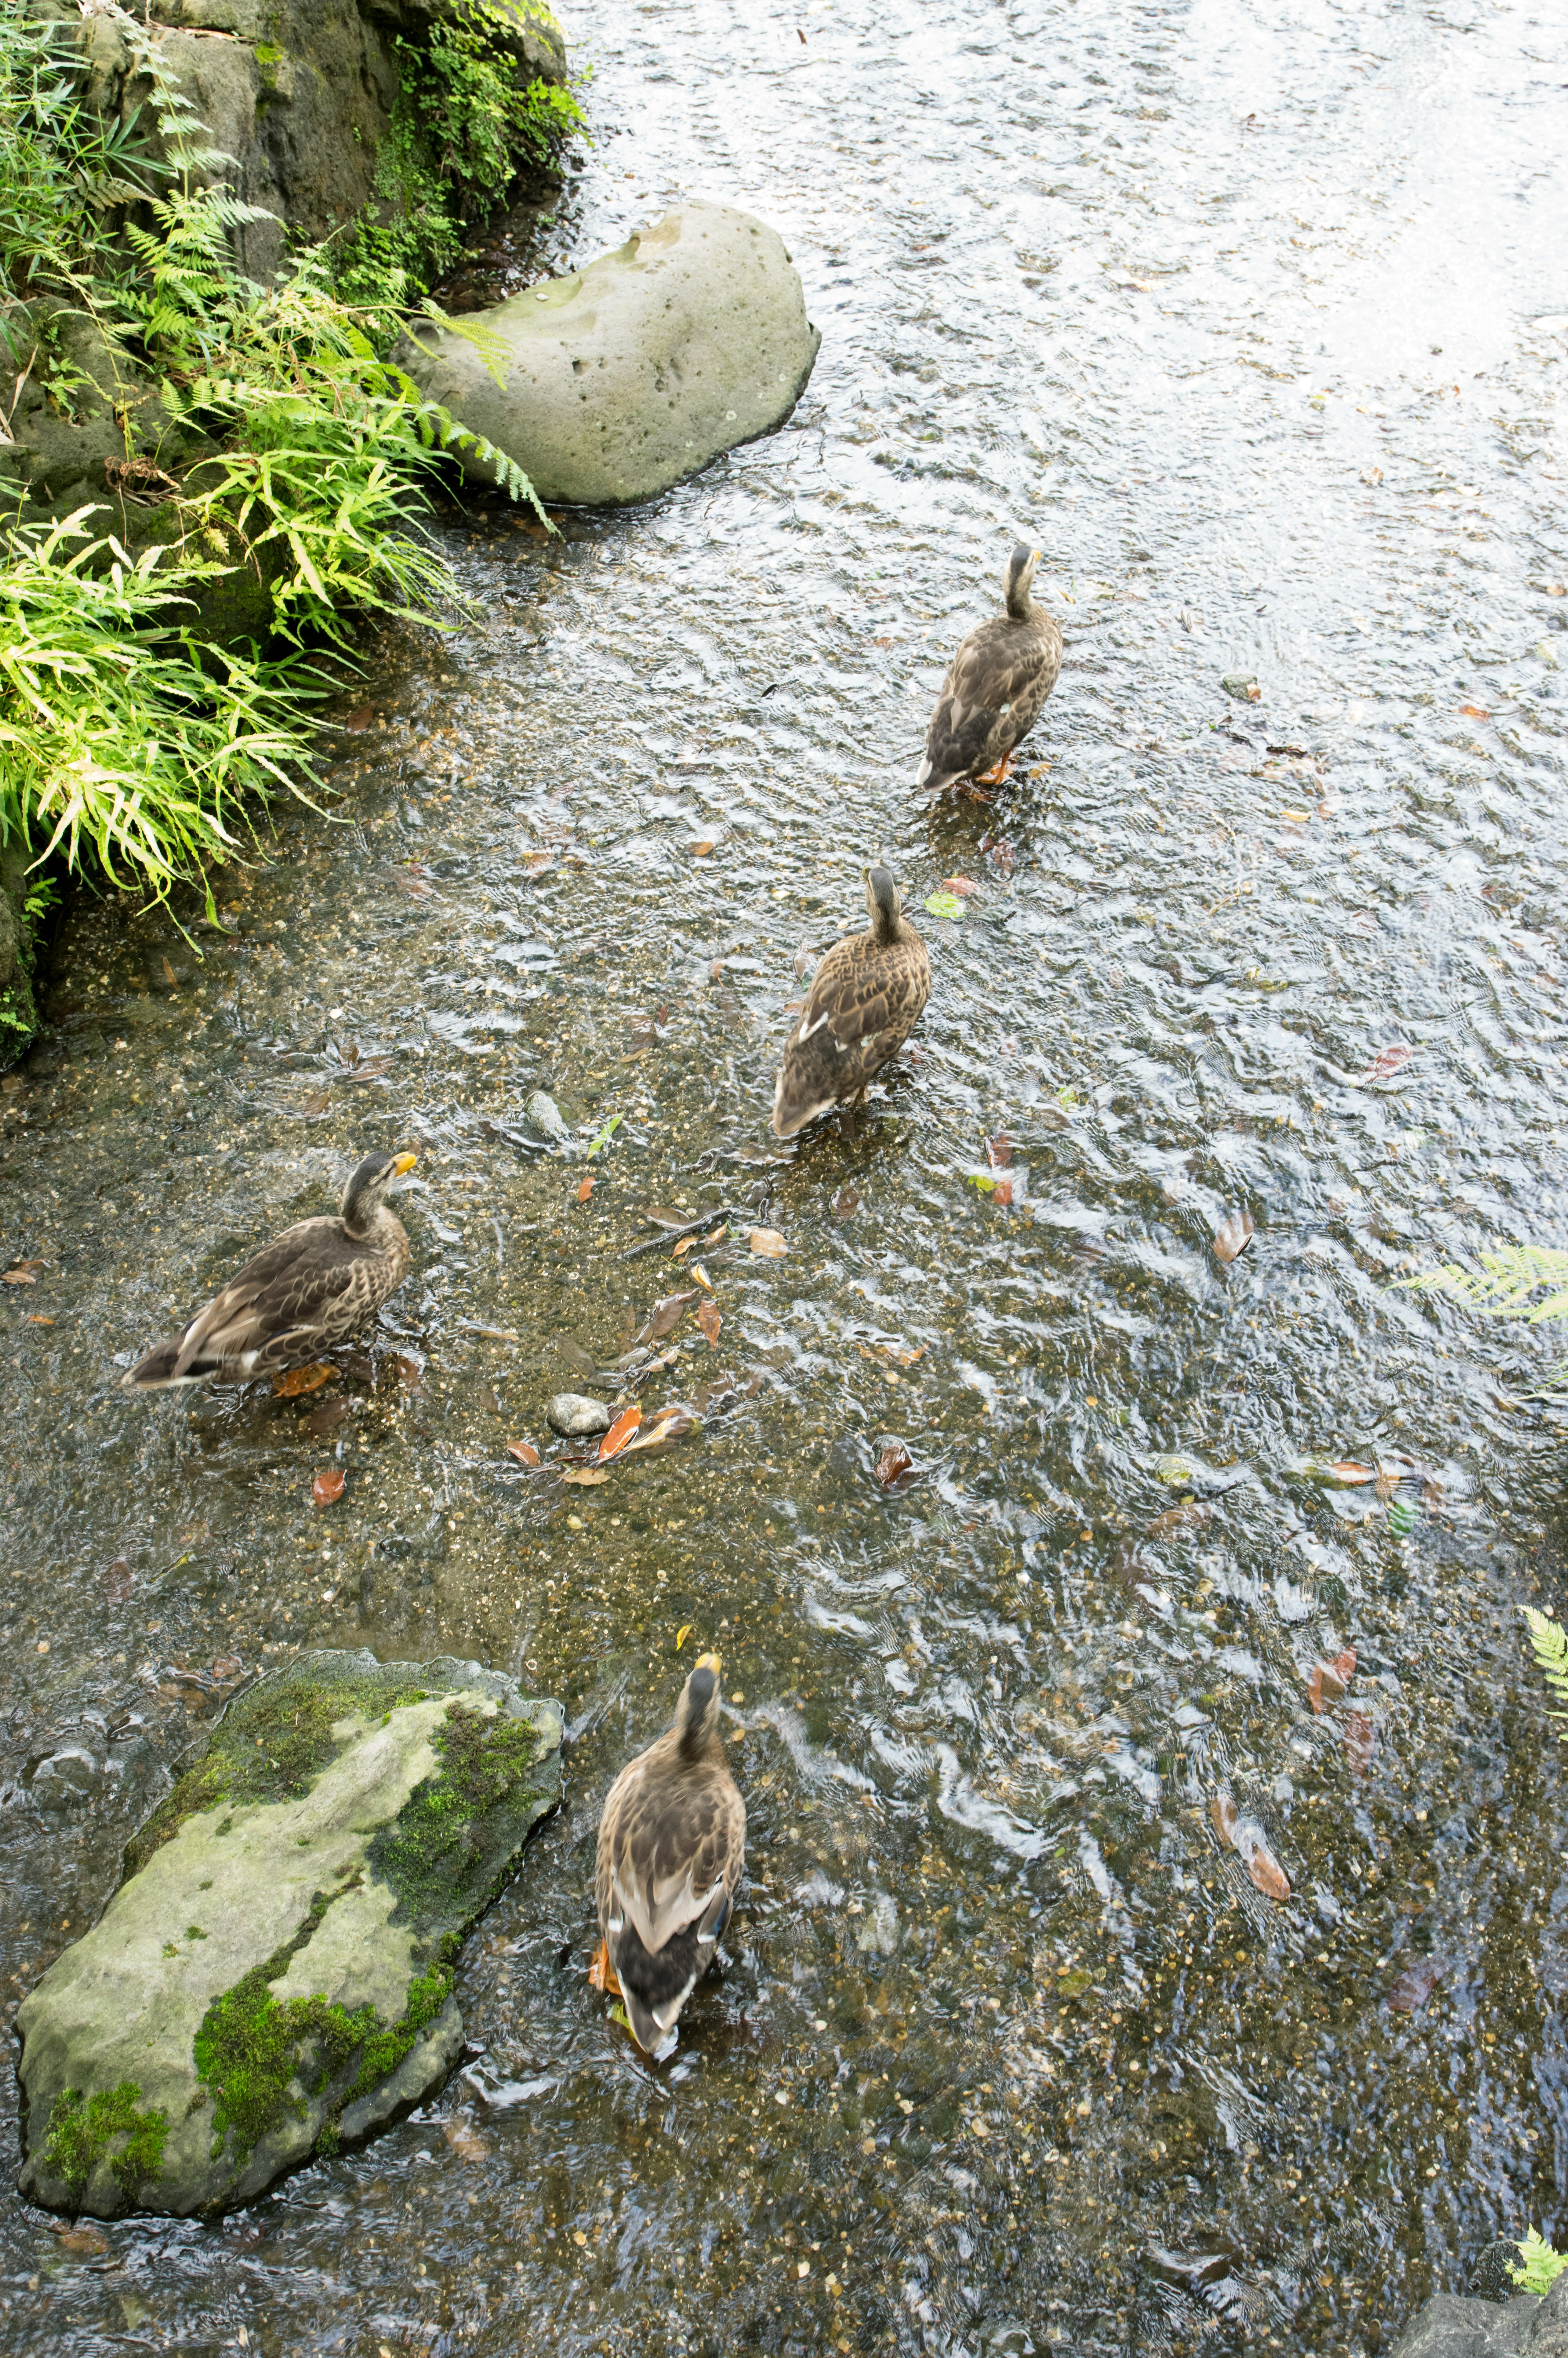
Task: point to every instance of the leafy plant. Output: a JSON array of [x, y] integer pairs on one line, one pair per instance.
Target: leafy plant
[[1543, 2266], [1503, 1285], [1550, 1641]]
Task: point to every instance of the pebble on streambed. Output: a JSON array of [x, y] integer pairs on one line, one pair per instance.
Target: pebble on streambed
[[575, 1417]]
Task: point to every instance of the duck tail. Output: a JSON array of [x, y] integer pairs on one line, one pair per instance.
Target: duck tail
[[156, 1372]]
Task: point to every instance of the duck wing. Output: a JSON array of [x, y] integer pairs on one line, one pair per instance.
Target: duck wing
[[312, 1283], [857, 997], [671, 1848]]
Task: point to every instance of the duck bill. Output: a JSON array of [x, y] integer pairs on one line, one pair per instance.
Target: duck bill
[[402, 1162], [709, 1662]]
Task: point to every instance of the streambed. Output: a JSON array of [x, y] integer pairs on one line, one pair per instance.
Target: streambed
[[1252, 330]]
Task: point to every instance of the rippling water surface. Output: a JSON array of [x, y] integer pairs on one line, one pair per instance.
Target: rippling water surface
[[1253, 328]]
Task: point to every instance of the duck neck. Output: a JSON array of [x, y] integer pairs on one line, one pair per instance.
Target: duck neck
[[1020, 604]]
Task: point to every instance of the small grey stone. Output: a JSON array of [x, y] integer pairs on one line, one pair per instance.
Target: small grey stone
[[1243, 685], [1490, 2274], [574, 1415], [546, 1115]]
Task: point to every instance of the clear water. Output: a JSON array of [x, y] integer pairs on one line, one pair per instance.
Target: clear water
[[1255, 329]]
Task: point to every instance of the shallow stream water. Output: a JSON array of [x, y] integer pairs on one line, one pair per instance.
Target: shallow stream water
[[1252, 321]]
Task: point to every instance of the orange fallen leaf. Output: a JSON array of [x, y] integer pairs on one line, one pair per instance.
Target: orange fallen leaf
[[465, 2142], [620, 1432], [303, 1380], [37, 1318], [537, 863], [894, 1465], [328, 1488], [1245, 1837], [582, 1476], [768, 1242], [1345, 1470], [998, 1151], [584, 1187], [708, 1319], [601, 1974], [1476, 711], [1387, 1062], [962, 885], [683, 1245], [1267, 1873], [19, 1277], [1360, 1741], [1329, 1679], [525, 1451], [700, 850], [669, 1424], [1232, 1238]]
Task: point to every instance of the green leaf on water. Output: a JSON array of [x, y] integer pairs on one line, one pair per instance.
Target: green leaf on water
[[618, 2014], [944, 905], [603, 1136]]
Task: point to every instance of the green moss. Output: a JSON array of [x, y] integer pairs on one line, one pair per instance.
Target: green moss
[[262, 2056], [80, 2130], [445, 1853]]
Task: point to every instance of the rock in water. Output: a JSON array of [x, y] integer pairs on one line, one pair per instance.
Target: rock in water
[[638, 370], [276, 1976], [546, 1117], [573, 1415]]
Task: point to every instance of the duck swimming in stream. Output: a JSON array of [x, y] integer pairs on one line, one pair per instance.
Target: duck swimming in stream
[[995, 687], [866, 998]]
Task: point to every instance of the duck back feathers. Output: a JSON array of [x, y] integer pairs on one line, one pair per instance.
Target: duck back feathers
[[995, 685], [866, 998]]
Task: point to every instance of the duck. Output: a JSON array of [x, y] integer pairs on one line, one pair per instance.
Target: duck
[[995, 687], [672, 1847], [866, 998], [309, 1291]]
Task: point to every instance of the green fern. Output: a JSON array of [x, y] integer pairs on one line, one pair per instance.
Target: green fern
[[1550, 1641], [1503, 1285], [1543, 2266]]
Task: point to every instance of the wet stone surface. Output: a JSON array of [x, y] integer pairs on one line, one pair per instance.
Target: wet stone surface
[[1255, 337]]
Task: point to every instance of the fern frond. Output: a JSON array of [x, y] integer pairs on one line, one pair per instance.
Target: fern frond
[[1543, 2266], [1550, 1641], [494, 351]]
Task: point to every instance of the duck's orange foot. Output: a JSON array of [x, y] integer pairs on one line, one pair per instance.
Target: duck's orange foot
[[601, 1973], [998, 777]]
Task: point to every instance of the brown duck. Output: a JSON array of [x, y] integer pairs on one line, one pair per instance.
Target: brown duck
[[304, 1294], [866, 998], [995, 687], [672, 1843]]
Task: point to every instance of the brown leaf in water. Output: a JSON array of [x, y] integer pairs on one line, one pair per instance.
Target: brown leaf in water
[[326, 1419], [1226, 1814], [669, 1424], [117, 1580], [962, 885], [1416, 1985], [1387, 1062], [1267, 1873], [1233, 1237], [537, 863], [768, 1243], [1245, 1837], [1326, 1682], [525, 1453], [327, 1487], [290, 1385], [1002, 1193], [371, 1068], [843, 1204], [1177, 1518], [38, 1318], [170, 975], [1345, 1470], [708, 1319], [1476, 711], [1360, 1741], [466, 2142], [359, 718], [82, 2243], [894, 1465], [583, 1476], [998, 1151], [665, 1316], [584, 1187], [409, 1371], [699, 850], [601, 1974], [19, 1277], [620, 1432], [317, 1102]]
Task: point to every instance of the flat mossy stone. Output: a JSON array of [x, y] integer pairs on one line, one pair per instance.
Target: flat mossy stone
[[274, 1978]]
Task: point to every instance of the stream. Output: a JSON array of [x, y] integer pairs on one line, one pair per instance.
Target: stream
[[1253, 329]]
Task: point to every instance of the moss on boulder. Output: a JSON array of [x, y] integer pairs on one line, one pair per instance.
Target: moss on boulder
[[275, 1976]]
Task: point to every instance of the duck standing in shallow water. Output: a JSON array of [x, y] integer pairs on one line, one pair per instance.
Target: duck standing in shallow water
[[866, 998], [306, 1292], [995, 687], [672, 1844]]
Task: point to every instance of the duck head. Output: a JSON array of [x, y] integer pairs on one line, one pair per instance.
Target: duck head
[[696, 1716], [1018, 578], [366, 1192]]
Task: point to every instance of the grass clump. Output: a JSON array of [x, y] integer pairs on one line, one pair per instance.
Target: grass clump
[[82, 2128]]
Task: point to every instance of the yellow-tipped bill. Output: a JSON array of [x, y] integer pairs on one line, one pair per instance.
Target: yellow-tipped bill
[[709, 1662], [402, 1162]]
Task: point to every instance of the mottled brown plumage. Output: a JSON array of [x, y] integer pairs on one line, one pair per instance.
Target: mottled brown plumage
[[995, 687], [866, 998], [319, 1284], [672, 1844]]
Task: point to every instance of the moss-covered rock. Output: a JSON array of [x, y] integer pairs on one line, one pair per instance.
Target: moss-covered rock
[[275, 1977]]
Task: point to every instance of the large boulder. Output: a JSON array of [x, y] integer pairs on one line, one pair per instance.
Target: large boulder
[[638, 370], [274, 1978], [1451, 2327]]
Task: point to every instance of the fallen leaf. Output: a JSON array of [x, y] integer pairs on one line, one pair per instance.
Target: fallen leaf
[[373, 1067], [38, 1318], [1176, 1518], [708, 1319], [584, 1187], [317, 1102], [1387, 1062], [903, 1353], [1224, 1813], [583, 1476], [465, 2142], [620, 1432], [525, 1451], [1345, 1471], [666, 1315], [601, 1973], [1360, 1741], [326, 1419], [844, 1202], [359, 718], [1002, 1192], [81, 2242], [669, 1424], [998, 1151], [962, 886], [170, 975], [1245, 1837], [682, 1634], [1476, 711], [1416, 1985], [409, 1371], [768, 1243], [303, 1380], [1233, 1237], [328, 1488], [1328, 1680], [537, 863], [1267, 1873], [944, 905], [117, 1581], [684, 1247], [894, 1465], [699, 850], [19, 1277]]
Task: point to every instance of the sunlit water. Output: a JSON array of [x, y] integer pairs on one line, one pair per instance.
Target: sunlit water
[[1257, 331]]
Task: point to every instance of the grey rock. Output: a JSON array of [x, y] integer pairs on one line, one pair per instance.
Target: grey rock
[[546, 1117], [573, 1415], [1491, 2276], [1243, 685], [1451, 2327], [1547, 2336], [348, 1822], [636, 371]]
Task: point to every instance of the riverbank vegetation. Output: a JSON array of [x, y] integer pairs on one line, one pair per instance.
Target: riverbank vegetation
[[163, 643]]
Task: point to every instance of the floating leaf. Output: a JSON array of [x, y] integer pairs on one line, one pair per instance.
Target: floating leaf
[[303, 1380], [708, 1319], [669, 1424], [961, 886], [327, 1487], [1233, 1237], [1387, 1062], [768, 1243], [944, 905], [601, 1974], [666, 1315], [359, 718], [1415, 1986], [1360, 1741], [998, 1151], [1326, 1682], [682, 1634], [620, 1432], [1476, 711], [584, 1187], [583, 1476], [895, 1465], [525, 1451]]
